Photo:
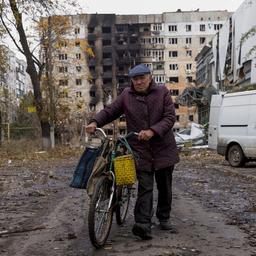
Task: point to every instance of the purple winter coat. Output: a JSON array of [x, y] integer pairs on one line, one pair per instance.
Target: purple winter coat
[[154, 110]]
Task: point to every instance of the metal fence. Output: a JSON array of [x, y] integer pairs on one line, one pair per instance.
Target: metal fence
[[9, 132]]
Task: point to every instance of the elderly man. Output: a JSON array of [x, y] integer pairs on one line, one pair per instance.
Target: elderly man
[[149, 110]]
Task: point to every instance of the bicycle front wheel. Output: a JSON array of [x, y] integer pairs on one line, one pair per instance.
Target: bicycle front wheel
[[100, 212], [123, 200]]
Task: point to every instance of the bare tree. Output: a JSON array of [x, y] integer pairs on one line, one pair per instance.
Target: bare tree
[[14, 15]]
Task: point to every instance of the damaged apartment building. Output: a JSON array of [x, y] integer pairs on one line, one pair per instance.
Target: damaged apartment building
[[167, 43], [228, 63]]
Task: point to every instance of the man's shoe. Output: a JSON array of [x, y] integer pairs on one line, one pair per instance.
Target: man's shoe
[[166, 225], [142, 230]]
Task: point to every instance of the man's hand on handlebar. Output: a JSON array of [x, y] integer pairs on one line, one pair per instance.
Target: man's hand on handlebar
[[90, 128]]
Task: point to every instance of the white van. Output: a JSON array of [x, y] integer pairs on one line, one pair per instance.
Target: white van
[[232, 127]]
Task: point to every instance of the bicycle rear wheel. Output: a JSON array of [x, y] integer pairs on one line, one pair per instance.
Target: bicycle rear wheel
[[123, 200], [100, 212]]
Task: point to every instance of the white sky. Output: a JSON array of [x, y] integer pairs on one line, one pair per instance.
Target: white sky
[[150, 7], [155, 6]]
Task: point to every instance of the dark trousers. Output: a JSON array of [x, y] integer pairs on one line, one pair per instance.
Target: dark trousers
[[144, 205]]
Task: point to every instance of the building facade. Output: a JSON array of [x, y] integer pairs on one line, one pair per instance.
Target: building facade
[[14, 83], [167, 43]]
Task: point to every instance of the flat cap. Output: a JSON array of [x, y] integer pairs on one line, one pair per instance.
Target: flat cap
[[139, 70]]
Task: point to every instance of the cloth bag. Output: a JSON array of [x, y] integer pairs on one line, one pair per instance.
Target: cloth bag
[[84, 168]]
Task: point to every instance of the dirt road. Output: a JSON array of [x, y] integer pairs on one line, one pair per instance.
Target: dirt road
[[214, 211]]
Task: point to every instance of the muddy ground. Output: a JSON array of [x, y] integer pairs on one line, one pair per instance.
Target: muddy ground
[[214, 210]]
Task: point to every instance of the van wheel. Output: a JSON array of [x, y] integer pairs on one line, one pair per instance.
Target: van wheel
[[236, 156]]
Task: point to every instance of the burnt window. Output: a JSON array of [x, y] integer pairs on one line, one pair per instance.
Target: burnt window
[[172, 28], [92, 94], [174, 79], [78, 81], [106, 30], [177, 106], [78, 68], [106, 42], [121, 80], [63, 82], [188, 28], [92, 107], [174, 92], [90, 29], [63, 56], [191, 118], [202, 40], [107, 55], [77, 31], [107, 68], [202, 27], [91, 43], [92, 68], [173, 54], [107, 80], [189, 79], [120, 28], [133, 40]]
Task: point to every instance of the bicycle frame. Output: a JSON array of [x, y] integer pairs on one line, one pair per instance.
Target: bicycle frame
[[103, 177], [112, 156]]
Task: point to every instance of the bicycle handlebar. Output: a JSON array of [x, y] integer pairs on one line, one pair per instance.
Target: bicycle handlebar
[[130, 134], [101, 132]]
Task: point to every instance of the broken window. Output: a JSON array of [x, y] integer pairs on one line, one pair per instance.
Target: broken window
[[217, 26], [189, 53], [188, 40], [173, 40], [78, 68], [79, 94], [173, 66], [90, 29], [63, 56], [173, 54], [174, 92], [63, 82], [106, 30], [191, 118], [172, 28], [92, 107], [107, 68], [202, 40], [63, 69], [79, 81], [106, 42], [202, 27], [188, 28], [189, 66], [189, 79], [174, 79], [77, 31], [107, 55]]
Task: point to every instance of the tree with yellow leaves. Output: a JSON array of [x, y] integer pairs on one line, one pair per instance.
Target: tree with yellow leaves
[[15, 15]]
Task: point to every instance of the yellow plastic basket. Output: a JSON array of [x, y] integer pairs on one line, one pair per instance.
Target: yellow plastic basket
[[125, 171]]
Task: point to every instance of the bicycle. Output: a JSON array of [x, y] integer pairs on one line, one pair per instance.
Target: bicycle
[[106, 196]]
